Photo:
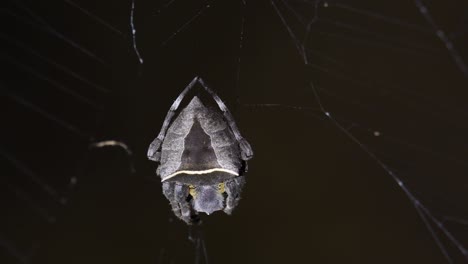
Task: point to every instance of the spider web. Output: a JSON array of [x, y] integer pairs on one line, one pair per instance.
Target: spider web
[[360, 107], [432, 203]]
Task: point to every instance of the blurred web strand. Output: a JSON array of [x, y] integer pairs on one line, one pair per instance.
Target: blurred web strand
[[410, 48], [309, 24], [94, 17], [186, 24], [29, 18], [388, 138], [53, 83], [381, 17], [456, 220], [48, 116], [441, 34], [70, 72], [417, 49], [425, 214], [289, 7], [31, 175], [40, 23], [283, 106], [315, 18], [34, 206], [241, 42], [166, 5], [433, 234], [422, 210], [357, 80], [297, 44], [375, 43], [196, 236], [132, 27], [404, 44], [441, 117]]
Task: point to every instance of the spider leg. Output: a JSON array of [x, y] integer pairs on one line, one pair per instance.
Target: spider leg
[[168, 191], [154, 153], [233, 189], [246, 149], [177, 195], [181, 195]]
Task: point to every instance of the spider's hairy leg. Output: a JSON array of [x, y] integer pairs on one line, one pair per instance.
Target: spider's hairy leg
[[177, 194], [181, 193], [168, 191], [233, 189], [154, 152], [246, 149]]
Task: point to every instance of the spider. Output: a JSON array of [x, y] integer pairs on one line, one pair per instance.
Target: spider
[[202, 157]]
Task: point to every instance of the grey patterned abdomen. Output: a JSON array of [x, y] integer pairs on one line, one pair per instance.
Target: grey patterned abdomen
[[199, 140]]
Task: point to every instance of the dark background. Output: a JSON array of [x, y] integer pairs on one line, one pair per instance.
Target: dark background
[[313, 193]]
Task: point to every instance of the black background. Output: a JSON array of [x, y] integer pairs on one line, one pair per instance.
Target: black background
[[312, 194]]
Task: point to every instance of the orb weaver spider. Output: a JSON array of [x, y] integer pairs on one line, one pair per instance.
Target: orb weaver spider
[[202, 157]]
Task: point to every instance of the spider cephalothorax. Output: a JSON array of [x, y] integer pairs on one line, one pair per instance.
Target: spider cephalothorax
[[202, 157]]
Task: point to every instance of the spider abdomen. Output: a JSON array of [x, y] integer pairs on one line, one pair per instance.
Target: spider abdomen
[[199, 142]]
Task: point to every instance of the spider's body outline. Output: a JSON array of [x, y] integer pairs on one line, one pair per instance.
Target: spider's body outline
[[202, 157]]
